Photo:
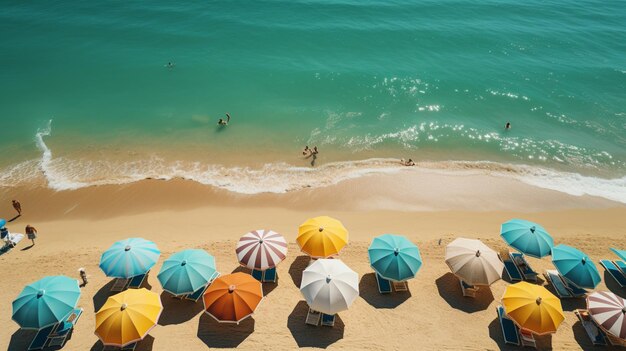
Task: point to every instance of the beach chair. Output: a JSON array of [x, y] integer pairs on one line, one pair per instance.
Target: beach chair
[[510, 267], [621, 265], [528, 338], [313, 317], [196, 295], [328, 320], [40, 340], [468, 290], [137, 281], [574, 289], [64, 329], [614, 272], [509, 329], [384, 285], [524, 267], [120, 284], [257, 274], [130, 347], [269, 276], [557, 283], [593, 331], [400, 286]]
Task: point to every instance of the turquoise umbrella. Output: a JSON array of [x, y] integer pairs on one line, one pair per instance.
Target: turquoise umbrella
[[46, 302], [129, 258], [575, 266], [527, 237], [187, 271], [3, 222], [620, 253], [394, 257]]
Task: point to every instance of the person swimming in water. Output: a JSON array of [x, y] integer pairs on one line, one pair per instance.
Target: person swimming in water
[[507, 125], [224, 122], [170, 65]]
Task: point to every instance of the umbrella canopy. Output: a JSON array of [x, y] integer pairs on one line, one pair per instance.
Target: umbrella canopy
[[232, 297], [261, 249], [187, 271], [620, 253], [329, 286], [322, 237], [45, 302], [609, 311], [128, 317], [129, 258], [473, 262], [575, 266], [394, 257], [527, 237], [533, 307]]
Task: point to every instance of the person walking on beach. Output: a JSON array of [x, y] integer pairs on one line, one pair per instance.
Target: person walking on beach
[[313, 154], [223, 122], [18, 207], [31, 232], [407, 163], [306, 150]]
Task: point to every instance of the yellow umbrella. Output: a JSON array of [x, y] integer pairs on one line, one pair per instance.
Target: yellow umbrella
[[128, 317], [322, 237], [533, 307]]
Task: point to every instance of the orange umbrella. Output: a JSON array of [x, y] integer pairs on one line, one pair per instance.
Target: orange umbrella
[[232, 297]]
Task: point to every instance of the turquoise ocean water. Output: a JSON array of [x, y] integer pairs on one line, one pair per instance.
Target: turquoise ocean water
[[85, 97]]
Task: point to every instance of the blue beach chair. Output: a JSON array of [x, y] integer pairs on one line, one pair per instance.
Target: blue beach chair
[[509, 329], [41, 338], [258, 275], [596, 335], [269, 275], [510, 267], [621, 265], [557, 283], [196, 295], [614, 272], [137, 281], [384, 285], [328, 320], [524, 267], [64, 329]]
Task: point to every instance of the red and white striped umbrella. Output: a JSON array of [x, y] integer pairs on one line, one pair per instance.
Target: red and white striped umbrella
[[609, 311], [261, 249]]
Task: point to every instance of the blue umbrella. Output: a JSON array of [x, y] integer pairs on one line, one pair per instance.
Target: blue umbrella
[[394, 257], [129, 258], [575, 266], [620, 253], [3, 222], [187, 271], [46, 302], [527, 237]]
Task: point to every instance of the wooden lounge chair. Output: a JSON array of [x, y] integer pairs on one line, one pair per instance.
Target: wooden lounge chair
[[614, 272], [120, 284], [257, 274], [468, 290], [557, 283], [528, 338], [621, 265], [64, 329], [269, 275], [593, 331], [384, 285], [509, 329], [40, 340], [313, 317], [400, 286], [328, 320], [524, 267], [510, 267], [137, 281]]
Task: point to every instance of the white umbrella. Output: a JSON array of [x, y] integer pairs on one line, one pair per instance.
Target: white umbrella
[[329, 286], [473, 262], [261, 249], [609, 311]]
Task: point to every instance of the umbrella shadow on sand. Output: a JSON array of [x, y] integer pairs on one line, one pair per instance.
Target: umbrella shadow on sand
[[544, 342], [612, 286], [297, 267], [450, 290], [177, 311], [312, 336], [223, 335], [102, 295], [21, 339], [580, 334], [368, 290], [144, 345]]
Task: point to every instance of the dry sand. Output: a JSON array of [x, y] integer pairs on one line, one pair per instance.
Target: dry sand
[[75, 227]]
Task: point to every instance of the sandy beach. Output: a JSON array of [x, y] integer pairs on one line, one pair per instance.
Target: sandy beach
[[75, 227]]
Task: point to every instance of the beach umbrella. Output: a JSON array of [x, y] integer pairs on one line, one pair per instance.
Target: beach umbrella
[[609, 311], [533, 307], [261, 249], [329, 286], [575, 266], [620, 253], [322, 237], [473, 262], [186, 271], [129, 258], [394, 257], [527, 237], [232, 297], [128, 317], [45, 302]]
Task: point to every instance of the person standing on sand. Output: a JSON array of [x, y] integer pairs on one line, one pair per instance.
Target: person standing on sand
[[18, 207], [31, 232]]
